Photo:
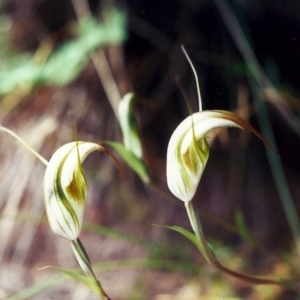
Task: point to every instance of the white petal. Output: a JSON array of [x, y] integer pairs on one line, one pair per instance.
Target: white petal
[[64, 211], [204, 122], [182, 181]]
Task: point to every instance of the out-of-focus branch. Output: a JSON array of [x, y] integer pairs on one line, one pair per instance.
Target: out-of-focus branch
[[253, 64], [265, 83], [100, 62]]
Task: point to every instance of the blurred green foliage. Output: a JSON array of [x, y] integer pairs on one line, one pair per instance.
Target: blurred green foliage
[[65, 62]]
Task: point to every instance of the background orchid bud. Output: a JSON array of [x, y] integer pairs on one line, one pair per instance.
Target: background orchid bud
[[188, 150], [130, 132], [65, 188]]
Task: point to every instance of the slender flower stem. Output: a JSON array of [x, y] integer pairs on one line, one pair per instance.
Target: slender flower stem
[[196, 225], [86, 266], [209, 255], [36, 154]]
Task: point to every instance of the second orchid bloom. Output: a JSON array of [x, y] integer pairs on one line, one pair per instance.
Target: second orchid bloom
[[188, 150]]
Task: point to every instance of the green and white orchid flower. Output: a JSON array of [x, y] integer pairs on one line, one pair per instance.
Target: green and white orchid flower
[[187, 155], [188, 150], [65, 188]]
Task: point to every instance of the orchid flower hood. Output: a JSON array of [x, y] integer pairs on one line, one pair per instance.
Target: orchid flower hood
[[188, 150], [65, 188]]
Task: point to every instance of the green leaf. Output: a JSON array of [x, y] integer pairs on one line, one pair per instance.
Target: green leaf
[[23, 75], [205, 249], [91, 283], [189, 235], [135, 163]]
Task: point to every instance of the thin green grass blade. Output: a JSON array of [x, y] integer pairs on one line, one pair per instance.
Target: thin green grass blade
[[91, 283], [120, 235], [143, 263], [36, 288], [243, 228], [279, 174], [259, 79], [149, 264]]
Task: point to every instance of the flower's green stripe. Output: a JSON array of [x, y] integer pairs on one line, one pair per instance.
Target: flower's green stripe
[[63, 198], [182, 169], [193, 160]]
